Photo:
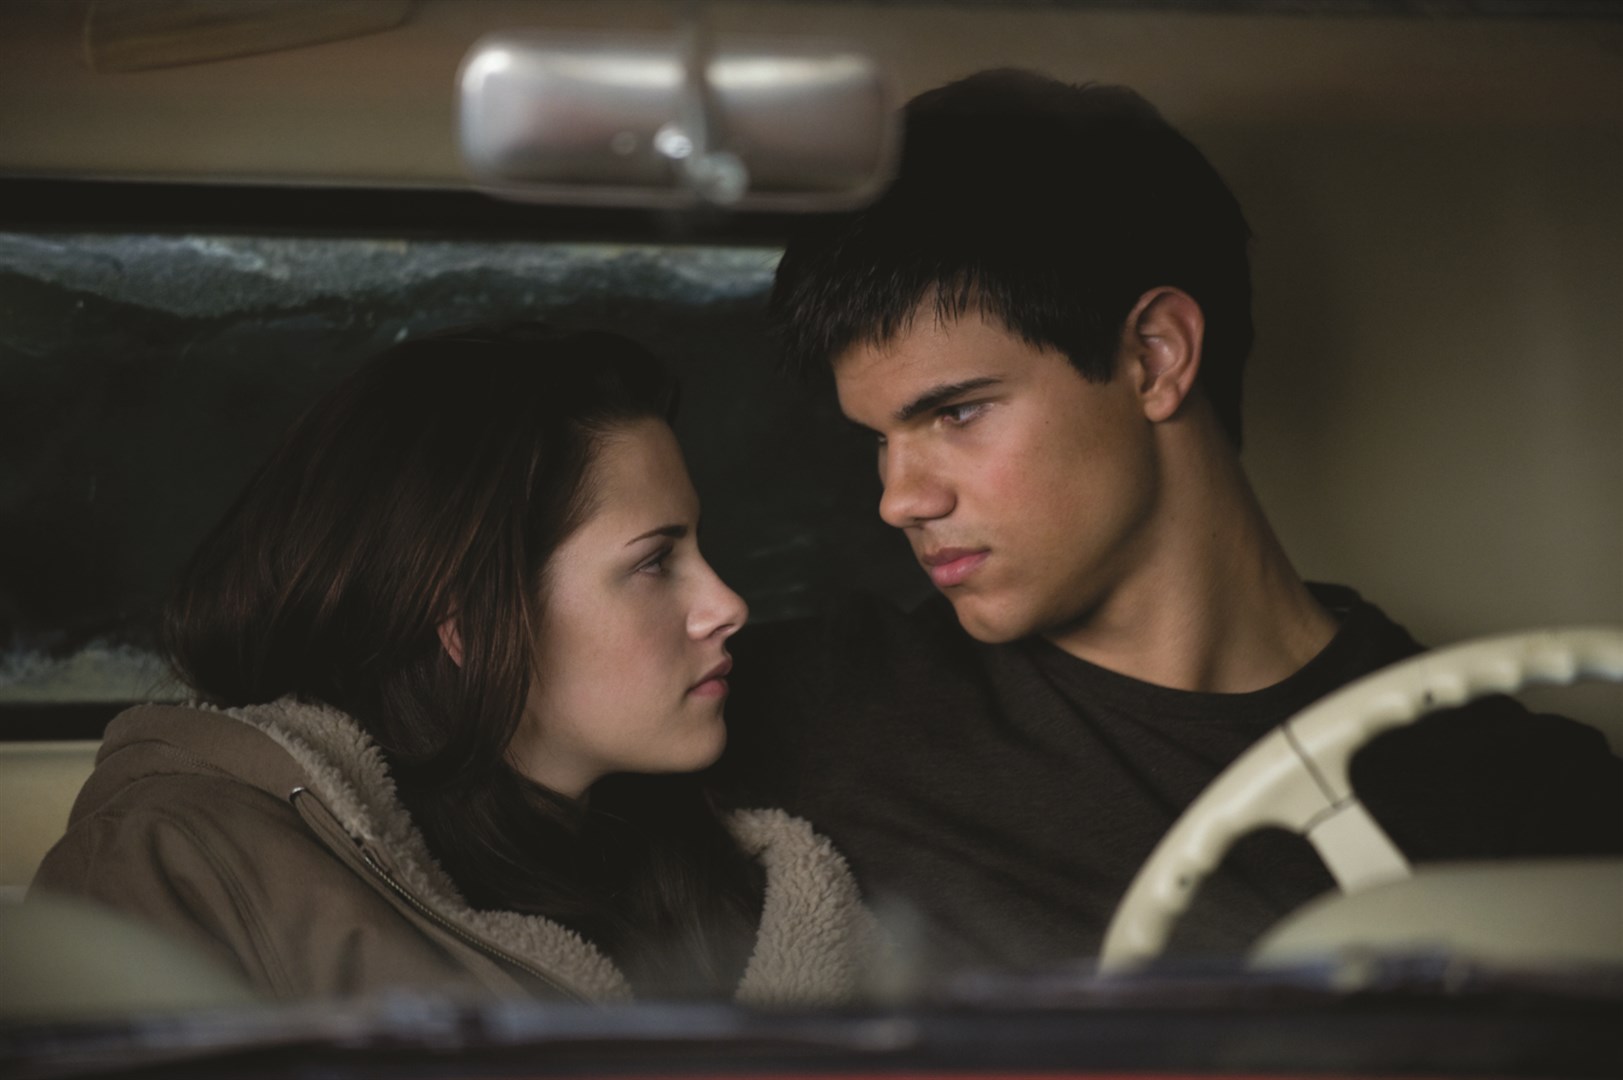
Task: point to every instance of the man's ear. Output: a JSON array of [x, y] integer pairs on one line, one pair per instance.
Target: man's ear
[[1162, 342], [451, 640]]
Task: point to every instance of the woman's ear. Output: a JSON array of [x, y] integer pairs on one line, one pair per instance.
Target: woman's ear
[[451, 640], [1162, 340]]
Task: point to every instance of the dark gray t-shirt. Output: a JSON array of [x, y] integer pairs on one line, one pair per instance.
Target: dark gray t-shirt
[[1004, 796]]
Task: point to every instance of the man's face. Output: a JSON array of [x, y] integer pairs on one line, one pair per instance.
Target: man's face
[[1027, 492]]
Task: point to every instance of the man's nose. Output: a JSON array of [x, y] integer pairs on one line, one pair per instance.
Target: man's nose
[[915, 491]]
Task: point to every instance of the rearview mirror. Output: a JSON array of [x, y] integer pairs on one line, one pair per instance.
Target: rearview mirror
[[672, 122]]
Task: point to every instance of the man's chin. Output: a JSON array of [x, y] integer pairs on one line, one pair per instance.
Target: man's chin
[[985, 626]]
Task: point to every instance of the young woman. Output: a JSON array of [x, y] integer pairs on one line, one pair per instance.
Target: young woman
[[455, 649]]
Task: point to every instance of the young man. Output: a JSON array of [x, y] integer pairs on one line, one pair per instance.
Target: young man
[[1043, 324]]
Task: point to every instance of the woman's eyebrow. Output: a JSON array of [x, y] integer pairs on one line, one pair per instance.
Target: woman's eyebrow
[[940, 395], [675, 532]]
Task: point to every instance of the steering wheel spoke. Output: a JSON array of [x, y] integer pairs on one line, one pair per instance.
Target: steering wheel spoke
[[1356, 851]]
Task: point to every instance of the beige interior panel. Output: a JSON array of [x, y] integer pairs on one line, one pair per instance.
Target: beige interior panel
[[38, 783]]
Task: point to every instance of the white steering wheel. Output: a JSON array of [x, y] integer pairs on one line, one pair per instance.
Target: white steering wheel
[[1295, 777]]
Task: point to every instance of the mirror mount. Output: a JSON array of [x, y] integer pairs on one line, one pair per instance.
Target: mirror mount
[[714, 175]]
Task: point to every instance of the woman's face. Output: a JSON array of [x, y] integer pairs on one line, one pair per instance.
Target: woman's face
[[631, 660]]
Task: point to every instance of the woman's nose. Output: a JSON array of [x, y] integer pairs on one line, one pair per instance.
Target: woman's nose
[[720, 611]]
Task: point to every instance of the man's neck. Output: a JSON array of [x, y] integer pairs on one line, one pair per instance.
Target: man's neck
[[1212, 602]]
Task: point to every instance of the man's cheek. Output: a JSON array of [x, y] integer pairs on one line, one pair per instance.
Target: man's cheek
[[999, 481]]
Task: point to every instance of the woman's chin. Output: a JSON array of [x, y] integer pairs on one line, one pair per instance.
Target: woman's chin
[[704, 750], [709, 752], [698, 750]]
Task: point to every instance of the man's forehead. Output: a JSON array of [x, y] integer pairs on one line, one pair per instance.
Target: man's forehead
[[873, 378], [877, 379]]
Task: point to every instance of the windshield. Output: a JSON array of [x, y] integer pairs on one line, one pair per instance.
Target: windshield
[[159, 369]]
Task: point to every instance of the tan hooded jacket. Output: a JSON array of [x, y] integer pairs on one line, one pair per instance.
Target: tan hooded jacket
[[272, 836]]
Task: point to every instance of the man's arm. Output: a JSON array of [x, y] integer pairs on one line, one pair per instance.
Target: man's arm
[[1493, 780]]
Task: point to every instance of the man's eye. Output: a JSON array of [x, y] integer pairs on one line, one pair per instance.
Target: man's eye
[[958, 415]]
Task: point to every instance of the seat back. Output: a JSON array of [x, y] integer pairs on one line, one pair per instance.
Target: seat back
[[66, 960], [38, 783]]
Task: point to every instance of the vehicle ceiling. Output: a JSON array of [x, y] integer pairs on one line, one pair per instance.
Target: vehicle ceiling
[[377, 109]]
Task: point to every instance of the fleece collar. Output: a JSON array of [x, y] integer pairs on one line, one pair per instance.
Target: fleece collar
[[815, 937]]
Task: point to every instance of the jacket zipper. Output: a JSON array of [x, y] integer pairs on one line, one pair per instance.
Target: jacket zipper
[[456, 931], [490, 951]]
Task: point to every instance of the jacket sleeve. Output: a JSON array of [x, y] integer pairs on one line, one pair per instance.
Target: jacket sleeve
[[159, 865]]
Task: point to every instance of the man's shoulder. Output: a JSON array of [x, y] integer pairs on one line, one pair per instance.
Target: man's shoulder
[[1368, 637]]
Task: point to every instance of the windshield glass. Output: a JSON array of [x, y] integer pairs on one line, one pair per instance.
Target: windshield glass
[[150, 374]]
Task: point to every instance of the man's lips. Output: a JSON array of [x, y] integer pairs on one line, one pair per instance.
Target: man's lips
[[714, 683], [950, 566]]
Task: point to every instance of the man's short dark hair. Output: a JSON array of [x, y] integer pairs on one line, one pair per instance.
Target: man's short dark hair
[[1047, 206]]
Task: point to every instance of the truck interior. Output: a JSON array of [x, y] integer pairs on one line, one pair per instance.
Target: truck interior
[[212, 210]]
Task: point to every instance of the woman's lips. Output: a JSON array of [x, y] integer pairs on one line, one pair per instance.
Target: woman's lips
[[714, 684], [710, 688], [950, 566]]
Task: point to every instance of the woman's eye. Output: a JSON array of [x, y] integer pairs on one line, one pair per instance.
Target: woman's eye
[[655, 564]]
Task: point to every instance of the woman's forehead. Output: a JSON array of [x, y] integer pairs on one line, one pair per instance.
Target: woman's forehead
[[637, 475]]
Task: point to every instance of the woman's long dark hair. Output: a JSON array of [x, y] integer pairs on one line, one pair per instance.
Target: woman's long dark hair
[[436, 482]]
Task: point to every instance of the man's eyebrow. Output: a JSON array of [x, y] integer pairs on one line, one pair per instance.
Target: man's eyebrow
[[940, 395], [675, 532]]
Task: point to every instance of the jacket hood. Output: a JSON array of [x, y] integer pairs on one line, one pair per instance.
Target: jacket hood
[[815, 934]]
